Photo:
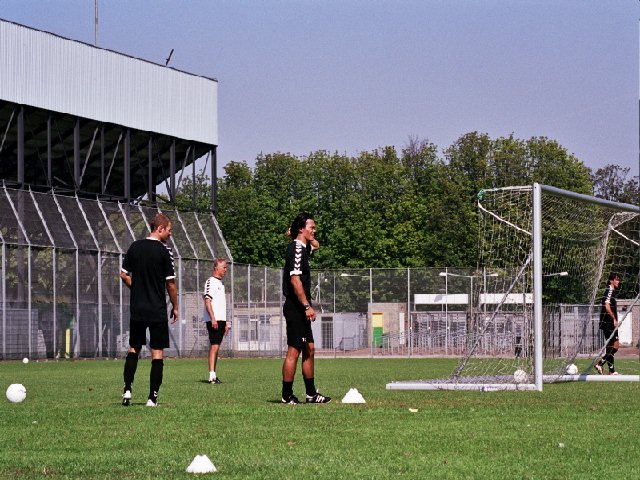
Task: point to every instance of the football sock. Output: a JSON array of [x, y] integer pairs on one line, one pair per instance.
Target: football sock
[[155, 378], [130, 366], [287, 389], [310, 386], [610, 352], [212, 375]]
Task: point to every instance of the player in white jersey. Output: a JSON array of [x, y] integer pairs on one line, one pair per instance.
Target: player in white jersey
[[215, 314]]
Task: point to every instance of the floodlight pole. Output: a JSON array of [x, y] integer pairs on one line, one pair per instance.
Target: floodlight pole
[[96, 19]]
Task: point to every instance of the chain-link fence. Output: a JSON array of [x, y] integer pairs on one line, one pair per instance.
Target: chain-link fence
[[405, 312], [61, 294]]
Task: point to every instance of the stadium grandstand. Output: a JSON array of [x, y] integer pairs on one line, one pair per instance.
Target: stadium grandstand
[[90, 141]]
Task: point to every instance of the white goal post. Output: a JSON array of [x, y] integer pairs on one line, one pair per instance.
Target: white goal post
[[545, 257]]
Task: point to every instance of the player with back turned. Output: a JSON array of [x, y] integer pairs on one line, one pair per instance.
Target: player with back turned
[[609, 324], [147, 269], [298, 311]]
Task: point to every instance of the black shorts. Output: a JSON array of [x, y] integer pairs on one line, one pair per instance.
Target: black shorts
[[607, 330], [298, 327], [216, 335], [158, 334]]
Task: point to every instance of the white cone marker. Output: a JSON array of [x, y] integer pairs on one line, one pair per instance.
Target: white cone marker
[[353, 396], [201, 464]]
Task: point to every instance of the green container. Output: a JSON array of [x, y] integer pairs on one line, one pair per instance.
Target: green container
[[377, 336]]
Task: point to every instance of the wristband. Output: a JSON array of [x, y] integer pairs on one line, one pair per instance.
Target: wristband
[[306, 306]]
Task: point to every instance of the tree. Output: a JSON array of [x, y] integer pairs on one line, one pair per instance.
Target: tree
[[553, 166], [281, 192], [194, 192], [425, 172], [510, 163], [330, 180], [238, 202], [610, 182], [468, 171], [381, 209]]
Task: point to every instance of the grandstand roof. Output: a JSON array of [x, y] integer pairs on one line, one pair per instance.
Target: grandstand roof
[[47, 71], [78, 117]]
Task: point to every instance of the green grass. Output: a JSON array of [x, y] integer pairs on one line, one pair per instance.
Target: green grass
[[73, 426]]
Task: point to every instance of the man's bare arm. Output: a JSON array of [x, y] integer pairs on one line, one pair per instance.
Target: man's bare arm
[[172, 290], [298, 289], [209, 308]]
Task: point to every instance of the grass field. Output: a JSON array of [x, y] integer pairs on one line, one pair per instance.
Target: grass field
[[72, 424]]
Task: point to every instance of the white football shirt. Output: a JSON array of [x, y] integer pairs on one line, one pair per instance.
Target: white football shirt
[[214, 289]]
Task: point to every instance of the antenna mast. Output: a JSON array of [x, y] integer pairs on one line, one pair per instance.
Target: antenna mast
[[95, 3]]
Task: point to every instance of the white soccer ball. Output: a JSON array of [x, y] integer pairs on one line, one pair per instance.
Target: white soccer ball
[[16, 393], [520, 376], [25, 360], [572, 369]]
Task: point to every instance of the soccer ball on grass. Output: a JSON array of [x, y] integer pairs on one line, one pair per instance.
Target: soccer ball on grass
[[16, 393], [520, 376], [572, 369]]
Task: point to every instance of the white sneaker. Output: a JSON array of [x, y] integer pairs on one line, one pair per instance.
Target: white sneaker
[[126, 398], [151, 403], [614, 373]]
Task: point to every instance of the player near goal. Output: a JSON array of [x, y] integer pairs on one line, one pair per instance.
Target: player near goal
[[609, 324], [298, 311]]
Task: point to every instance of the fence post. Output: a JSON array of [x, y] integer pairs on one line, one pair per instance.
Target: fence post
[[409, 323]]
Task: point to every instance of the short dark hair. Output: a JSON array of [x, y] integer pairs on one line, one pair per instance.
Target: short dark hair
[[613, 276], [299, 222], [159, 220]]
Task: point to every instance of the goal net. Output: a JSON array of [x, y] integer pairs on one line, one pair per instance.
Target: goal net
[[545, 258]]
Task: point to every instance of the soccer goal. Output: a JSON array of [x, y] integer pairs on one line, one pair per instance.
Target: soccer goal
[[545, 257]]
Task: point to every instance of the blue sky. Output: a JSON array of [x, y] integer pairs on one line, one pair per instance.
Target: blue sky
[[355, 75]]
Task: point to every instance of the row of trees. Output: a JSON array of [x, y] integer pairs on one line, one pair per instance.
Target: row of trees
[[384, 208]]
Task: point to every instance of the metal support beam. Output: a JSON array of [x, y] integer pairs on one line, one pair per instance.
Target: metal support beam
[[150, 183], [76, 154], [102, 160], [7, 128], [20, 141], [214, 179], [127, 165], [193, 177], [3, 283], [49, 154], [172, 171], [88, 155]]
